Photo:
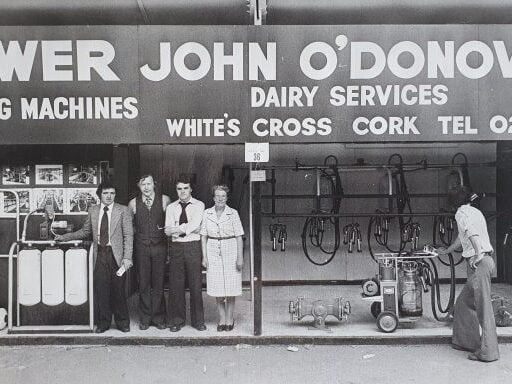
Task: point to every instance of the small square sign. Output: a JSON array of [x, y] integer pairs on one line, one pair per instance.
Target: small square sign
[[258, 175], [257, 152]]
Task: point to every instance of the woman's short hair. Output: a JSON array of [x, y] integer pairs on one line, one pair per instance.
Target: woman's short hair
[[220, 187]]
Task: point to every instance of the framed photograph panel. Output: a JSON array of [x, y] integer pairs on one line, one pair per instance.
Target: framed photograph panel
[[49, 174], [84, 174], [78, 200], [16, 175], [8, 202], [49, 196]]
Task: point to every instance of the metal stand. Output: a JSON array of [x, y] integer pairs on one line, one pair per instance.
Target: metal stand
[[18, 328]]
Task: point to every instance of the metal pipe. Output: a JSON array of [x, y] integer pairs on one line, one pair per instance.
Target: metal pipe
[[373, 167], [258, 275], [318, 200], [461, 176], [91, 286], [273, 187], [10, 282], [360, 195], [375, 214], [251, 236]]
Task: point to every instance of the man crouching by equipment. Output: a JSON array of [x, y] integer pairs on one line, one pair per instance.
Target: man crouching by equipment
[[110, 226], [473, 308]]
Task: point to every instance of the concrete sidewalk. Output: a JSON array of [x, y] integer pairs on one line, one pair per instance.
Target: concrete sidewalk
[[361, 327], [341, 364]]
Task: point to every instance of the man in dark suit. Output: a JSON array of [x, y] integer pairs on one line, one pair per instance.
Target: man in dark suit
[[110, 226]]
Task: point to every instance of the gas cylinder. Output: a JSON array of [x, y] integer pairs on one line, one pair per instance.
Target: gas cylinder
[[409, 286]]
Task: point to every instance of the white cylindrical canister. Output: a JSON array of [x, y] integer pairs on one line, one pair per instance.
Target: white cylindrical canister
[[29, 277], [52, 276], [76, 276]]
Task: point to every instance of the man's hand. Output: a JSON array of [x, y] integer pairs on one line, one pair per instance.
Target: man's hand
[[204, 263], [442, 251], [58, 238], [239, 264], [127, 263], [474, 260]]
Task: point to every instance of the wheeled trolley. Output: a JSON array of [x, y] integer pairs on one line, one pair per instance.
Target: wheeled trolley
[[399, 287]]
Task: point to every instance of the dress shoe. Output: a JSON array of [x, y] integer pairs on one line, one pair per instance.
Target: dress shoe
[[143, 326], [160, 326], [201, 327], [176, 328], [230, 326], [124, 329], [221, 327], [100, 330]]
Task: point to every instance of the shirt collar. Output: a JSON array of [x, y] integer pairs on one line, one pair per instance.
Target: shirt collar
[[228, 210], [109, 207], [191, 201]]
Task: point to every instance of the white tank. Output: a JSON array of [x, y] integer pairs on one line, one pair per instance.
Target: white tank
[[52, 276], [29, 277], [76, 276]]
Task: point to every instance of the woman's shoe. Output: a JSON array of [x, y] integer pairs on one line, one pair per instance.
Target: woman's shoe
[[230, 326], [221, 327]]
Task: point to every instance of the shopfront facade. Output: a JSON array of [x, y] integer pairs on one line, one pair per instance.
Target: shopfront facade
[[428, 103]]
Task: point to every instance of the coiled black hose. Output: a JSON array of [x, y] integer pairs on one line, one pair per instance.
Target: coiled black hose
[[314, 227], [435, 292]]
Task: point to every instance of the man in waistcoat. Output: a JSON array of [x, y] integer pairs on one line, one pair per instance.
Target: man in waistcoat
[[151, 251]]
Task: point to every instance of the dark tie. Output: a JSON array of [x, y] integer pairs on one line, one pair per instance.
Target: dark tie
[[104, 228], [183, 216]]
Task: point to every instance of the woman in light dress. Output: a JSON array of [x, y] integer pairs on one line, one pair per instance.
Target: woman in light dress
[[222, 245]]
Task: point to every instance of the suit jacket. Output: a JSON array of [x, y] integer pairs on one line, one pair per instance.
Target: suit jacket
[[121, 232]]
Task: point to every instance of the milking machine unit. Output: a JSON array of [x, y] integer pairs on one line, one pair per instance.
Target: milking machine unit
[[50, 274], [396, 294], [278, 235]]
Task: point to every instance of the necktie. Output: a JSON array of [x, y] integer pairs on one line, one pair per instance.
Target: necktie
[[183, 215], [104, 228], [149, 201]]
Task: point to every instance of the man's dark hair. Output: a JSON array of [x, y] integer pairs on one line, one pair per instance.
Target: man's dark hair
[[184, 178], [106, 184], [460, 195]]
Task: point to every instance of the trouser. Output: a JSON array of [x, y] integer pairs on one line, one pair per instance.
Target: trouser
[[109, 291], [185, 261], [150, 269], [473, 310]]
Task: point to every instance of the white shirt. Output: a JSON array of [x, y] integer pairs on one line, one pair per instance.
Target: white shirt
[[194, 217], [471, 222], [109, 215]]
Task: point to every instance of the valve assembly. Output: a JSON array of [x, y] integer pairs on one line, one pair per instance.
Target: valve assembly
[[319, 309]]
